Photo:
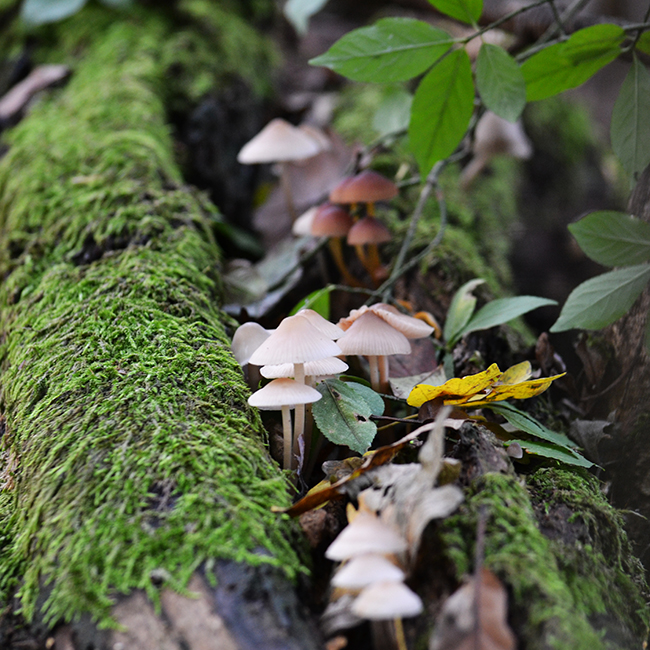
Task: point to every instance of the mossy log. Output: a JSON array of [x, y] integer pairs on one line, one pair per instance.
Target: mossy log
[[137, 488]]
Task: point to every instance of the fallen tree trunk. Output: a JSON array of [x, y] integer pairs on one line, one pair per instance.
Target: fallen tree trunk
[[133, 466]]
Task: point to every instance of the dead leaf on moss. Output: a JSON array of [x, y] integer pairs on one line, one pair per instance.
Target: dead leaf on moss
[[475, 617]]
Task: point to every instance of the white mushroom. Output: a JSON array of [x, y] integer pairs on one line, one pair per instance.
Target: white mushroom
[[372, 336], [283, 395], [248, 337], [364, 570], [280, 142], [387, 600]]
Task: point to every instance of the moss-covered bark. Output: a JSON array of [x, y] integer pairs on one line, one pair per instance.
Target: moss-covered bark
[[129, 448]]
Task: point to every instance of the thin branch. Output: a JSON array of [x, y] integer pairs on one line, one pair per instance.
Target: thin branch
[[639, 31], [558, 18], [567, 17], [504, 19]]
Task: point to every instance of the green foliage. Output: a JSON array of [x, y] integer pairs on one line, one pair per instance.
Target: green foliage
[[613, 238], [441, 111], [462, 320], [562, 66], [394, 49], [630, 127], [600, 301], [467, 11], [40, 12], [343, 413], [500, 82]]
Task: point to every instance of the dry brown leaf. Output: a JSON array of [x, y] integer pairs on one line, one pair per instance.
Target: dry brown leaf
[[475, 617]]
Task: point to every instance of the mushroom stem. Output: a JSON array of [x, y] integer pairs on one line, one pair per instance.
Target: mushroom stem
[[336, 249], [382, 362], [374, 267], [299, 420], [373, 362], [286, 432], [399, 634], [286, 189]]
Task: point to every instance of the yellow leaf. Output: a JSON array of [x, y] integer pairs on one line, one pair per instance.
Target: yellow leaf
[[523, 390], [516, 374], [455, 388]]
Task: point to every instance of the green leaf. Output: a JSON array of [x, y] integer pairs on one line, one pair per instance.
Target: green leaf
[[366, 393], [503, 310], [601, 300], [298, 13], [318, 300], [566, 65], [549, 450], [394, 49], [40, 12], [613, 238], [394, 112], [630, 127], [460, 311], [442, 107], [643, 44], [467, 11], [528, 424], [500, 82], [343, 414]]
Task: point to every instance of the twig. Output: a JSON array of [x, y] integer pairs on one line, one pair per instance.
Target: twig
[[503, 19], [566, 17], [639, 31], [558, 18]]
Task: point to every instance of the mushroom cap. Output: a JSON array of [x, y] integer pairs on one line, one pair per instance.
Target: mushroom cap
[[302, 225], [326, 328], [295, 340], [366, 187], [278, 141], [412, 328], [387, 600], [368, 230], [248, 337], [364, 570], [283, 392], [371, 335], [331, 221], [366, 534], [495, 135], [320, 368], [317, 134]]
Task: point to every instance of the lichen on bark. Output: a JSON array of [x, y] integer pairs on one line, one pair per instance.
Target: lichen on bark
[[129, 444]]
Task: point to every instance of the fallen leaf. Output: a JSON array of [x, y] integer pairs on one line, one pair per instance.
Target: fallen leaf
[[475, 617]]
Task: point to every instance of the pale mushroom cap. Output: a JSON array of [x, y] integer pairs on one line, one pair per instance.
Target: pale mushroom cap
[[412, 328], [366, 534], [364, 570], [326, 328], [302, 225], [320, 368], [248, 337], [366, 187], [331, 221], [495, 135], [283, 392], [387, 600], [372, 336], [368, 230], [295, 340], [317, 134], [278, 141]]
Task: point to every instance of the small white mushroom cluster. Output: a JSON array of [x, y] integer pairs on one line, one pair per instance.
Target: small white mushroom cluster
[[303, 347], [373, 554]]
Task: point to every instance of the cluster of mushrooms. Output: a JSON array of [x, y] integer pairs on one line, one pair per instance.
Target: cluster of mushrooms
[[372, 556], [350, 211], [305, 348]]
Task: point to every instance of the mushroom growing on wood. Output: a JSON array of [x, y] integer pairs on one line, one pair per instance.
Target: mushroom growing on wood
[[280, 142], [296, 341], [248, 337], [283, 395], [373, 337], [368, 232]]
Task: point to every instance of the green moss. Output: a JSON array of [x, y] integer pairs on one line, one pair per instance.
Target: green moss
[[556, 602], [132, 445]]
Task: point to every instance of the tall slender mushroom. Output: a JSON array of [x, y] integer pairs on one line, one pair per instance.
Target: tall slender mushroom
[[373, 337], [280, 142], [368, 232], [284, 394], [296, 341]]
